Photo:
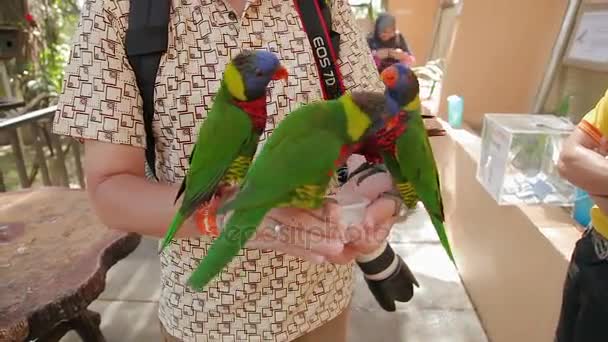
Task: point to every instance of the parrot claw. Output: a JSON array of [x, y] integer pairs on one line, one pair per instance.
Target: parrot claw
[[398, 287]]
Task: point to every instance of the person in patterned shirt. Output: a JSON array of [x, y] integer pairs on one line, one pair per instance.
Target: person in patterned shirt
[[276, 289]]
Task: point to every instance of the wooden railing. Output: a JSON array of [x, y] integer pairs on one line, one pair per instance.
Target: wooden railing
[[44, 143]]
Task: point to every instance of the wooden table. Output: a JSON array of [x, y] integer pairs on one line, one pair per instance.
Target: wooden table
[[54, 255]]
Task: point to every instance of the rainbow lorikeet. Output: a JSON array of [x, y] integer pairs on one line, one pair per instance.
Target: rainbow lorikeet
[[228, 138], [294, 168], [387, 275], [410, 161], [405, 150]]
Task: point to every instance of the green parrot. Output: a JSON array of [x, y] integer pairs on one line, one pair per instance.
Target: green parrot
[[412, 164], [294, 169], [228, 138]]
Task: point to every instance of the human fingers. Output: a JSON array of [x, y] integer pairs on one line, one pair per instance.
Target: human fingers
[[348, 255], [312, 221], [285, 238]]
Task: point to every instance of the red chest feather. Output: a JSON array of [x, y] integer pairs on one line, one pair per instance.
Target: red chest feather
[[383, 141], [256, 110], [345, 152]]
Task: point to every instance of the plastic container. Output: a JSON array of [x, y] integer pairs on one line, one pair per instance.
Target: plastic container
[[518, 159], [455, 110], [582, 207]]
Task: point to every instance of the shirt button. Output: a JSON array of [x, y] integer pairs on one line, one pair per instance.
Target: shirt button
[[232, 15]]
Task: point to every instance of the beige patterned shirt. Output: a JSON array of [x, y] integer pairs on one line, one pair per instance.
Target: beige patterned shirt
[[262, 295]]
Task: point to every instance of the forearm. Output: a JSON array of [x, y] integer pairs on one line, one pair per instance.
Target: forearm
[[131, 203], [586, 169]]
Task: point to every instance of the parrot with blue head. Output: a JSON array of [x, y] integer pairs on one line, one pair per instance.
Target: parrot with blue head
[[403, 146], [228, 138], [294, 168], [410, 161]]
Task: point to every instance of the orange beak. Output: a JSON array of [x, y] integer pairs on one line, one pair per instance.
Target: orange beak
[[280, 74], [389, 76], [392, 123]]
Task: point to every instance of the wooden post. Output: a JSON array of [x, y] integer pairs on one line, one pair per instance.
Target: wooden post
[[79, 173], [2, 185], [5, 85], [44, 171], [18, 155], [63, 172]]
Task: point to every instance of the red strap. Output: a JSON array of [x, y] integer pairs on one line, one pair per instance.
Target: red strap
[[319, 51]]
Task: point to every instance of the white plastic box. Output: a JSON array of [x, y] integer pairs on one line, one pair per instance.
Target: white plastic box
[[518, 161]]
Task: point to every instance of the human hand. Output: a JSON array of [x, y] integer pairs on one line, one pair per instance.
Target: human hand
[[402, 56], [370, 234], [309, 234], [314, 235], [383, 53], [380, 215], [409, 59], [602, 148], [397, 54]]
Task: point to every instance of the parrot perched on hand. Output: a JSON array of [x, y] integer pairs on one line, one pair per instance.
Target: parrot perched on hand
[[387, 275], [294, 168], [412, 164], [228, 138]]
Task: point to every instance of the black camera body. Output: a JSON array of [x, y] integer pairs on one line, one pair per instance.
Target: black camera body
[[10, 42]]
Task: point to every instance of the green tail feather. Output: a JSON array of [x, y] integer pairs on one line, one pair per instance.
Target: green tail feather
[[440, 228], [178, 220], [238, 230]]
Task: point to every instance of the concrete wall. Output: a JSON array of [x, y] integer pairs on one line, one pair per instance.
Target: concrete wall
[[499, 55], [512, 260], [586, 86], [415, 19]]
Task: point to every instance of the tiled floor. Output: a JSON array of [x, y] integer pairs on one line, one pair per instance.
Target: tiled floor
[[439, 312]]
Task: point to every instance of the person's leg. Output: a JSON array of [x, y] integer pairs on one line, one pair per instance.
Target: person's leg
[[571, 296], [570, 307], [592, 321], [332, 331]]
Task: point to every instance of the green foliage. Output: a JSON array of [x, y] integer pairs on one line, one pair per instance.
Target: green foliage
[[564, 107], [369, 9], [42, 72], [530, 150]]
